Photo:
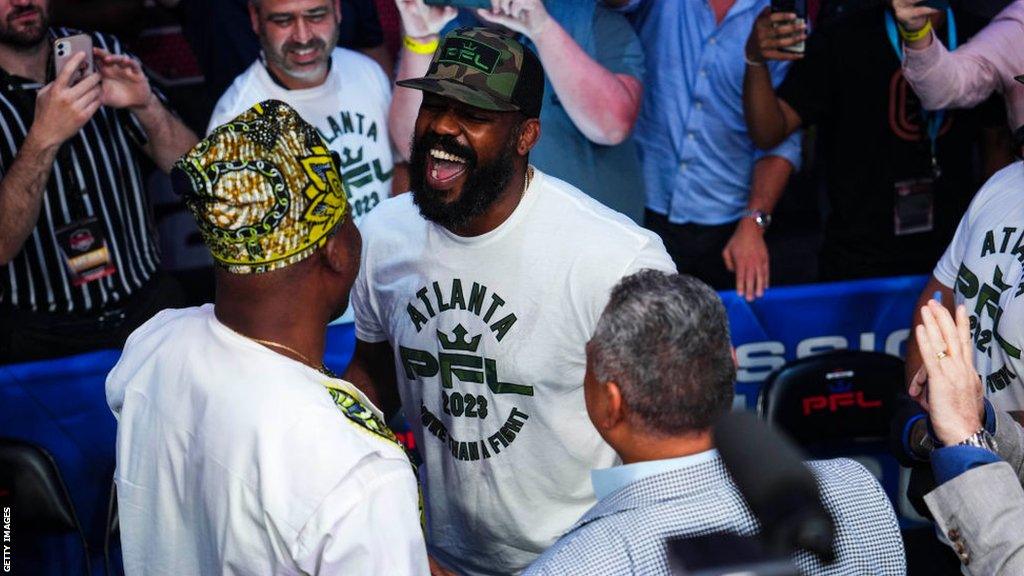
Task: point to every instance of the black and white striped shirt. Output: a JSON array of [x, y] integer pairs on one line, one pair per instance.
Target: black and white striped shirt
[[96, 173]]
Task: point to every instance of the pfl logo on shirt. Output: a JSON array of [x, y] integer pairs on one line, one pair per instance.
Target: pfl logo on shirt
[[464, 371]]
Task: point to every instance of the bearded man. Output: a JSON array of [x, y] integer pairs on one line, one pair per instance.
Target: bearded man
[[79, 265], [478, 293]]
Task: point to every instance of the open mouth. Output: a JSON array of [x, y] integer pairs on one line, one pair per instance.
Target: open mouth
[[305, 55], [444, 168]]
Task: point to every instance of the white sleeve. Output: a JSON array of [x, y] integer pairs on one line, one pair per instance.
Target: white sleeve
[[651, 255], [947, 269], [369, 524], [368, 325]]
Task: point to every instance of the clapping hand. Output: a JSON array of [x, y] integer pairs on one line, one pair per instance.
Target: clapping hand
[[955, 397]]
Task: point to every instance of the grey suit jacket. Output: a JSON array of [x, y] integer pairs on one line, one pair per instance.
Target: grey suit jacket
[[982, 513], [1010, 442], [982, 510]]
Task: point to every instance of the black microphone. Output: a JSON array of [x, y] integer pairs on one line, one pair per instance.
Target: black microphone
[[781, 492]]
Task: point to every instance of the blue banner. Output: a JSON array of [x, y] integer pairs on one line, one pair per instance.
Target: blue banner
[[797, 321]]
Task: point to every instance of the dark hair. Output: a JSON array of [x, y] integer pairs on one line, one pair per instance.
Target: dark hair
[[664, 340]]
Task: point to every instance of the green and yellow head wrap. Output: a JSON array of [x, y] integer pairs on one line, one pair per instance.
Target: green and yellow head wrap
[[263, 188]]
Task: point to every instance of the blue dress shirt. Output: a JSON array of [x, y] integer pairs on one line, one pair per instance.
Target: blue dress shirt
[[696, 157], [607, 481]]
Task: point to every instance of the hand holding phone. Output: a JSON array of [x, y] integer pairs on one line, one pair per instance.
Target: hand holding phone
[[65, 48], [798, 7], [421, 19]]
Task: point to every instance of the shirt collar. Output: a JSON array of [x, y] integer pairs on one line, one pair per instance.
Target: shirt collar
[[607, 481]]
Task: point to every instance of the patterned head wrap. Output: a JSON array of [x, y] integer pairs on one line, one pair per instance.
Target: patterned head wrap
[[264, 189]]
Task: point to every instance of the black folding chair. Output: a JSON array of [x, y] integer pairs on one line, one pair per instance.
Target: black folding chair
[[32, 483]]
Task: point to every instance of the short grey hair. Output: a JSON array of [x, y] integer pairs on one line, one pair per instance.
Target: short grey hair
[[664, 340]]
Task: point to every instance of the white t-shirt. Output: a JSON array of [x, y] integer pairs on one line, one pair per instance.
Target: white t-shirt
[[489, 335], [983, 266], [233, 459], [350, 110]]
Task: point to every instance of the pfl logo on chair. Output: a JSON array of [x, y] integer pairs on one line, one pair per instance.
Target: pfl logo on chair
[[841, 395]]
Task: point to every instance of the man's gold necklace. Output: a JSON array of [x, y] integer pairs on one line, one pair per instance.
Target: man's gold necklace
[[323, 369]]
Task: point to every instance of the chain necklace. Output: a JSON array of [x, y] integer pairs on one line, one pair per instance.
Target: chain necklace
[[270, 343]]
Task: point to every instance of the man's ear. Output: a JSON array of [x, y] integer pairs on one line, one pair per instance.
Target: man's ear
[[337, 11], [341, 252], [528, 136], [614, 413], [254, 17]]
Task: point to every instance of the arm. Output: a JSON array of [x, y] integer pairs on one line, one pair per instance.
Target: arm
[[746, 252], [960, 79], [985, 506], [61, 111], [422, 24], [372, 370], [769, 118], [368, 524], [602, 105], [125, 86]]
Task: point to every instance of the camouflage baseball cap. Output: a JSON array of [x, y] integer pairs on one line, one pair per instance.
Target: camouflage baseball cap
[[486, 68]]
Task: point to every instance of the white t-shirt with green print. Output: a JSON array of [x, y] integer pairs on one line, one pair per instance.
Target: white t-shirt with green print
[[489, 335]]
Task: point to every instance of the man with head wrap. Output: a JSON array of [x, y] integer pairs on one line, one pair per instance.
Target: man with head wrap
[[479, 290], [237, 450]]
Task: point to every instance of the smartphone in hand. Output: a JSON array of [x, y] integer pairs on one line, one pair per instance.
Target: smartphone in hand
[[485, 4], [65, 48], [798, 7]]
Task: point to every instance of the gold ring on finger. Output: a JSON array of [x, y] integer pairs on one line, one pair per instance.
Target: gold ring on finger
[[941, 354]]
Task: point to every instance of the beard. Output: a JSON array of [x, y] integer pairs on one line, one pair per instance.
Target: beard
[[279, 56], [24, 38], [482, 188]]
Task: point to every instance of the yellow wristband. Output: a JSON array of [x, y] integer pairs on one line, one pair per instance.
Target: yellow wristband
[[916, 35], [418, 47]]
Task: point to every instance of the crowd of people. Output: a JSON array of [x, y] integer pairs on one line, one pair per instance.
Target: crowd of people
[[525, 209]]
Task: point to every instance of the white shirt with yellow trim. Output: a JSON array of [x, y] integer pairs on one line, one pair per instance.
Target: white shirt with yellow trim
[[233, 459]]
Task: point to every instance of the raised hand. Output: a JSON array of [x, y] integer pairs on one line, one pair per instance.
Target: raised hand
[[527, 17], [421, 21], [955, 395], [124, 84], [61, 108], [911, 16]]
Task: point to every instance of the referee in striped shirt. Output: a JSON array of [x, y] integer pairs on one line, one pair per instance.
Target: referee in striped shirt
[[79, 267]]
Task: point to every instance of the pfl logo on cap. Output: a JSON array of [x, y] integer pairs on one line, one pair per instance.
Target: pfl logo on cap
[[81, 240], [469, 53]]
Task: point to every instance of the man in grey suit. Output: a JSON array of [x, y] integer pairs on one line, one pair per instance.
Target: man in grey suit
[[979, 501], [659, 372]]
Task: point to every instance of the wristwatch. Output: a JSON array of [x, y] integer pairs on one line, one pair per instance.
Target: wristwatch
[[980, 439], [761, 218]]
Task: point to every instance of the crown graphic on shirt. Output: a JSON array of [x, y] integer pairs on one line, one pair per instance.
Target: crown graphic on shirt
[[459, 342]]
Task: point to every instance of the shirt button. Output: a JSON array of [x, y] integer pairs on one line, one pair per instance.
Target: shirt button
[[682, 166], [690, 136], [699, 105], [712, 40], [703, 72]]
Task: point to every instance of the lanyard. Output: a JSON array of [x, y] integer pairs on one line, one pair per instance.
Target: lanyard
[[934, 118]]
